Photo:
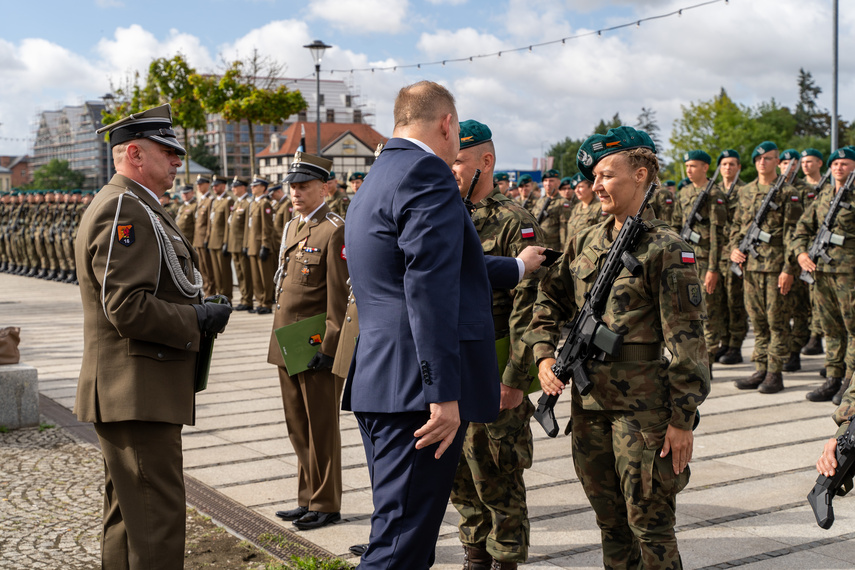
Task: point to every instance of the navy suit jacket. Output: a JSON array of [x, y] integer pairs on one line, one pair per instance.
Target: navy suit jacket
[[423, 288]]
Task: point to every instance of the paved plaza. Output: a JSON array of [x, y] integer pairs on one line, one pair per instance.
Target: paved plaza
[[745, 505]]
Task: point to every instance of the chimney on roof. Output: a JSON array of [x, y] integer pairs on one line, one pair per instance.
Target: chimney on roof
[[274, 143]]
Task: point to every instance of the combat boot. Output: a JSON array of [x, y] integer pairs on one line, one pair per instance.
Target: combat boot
[[732, 356], [722, 350], [41, 274], [3, 267], [503, 565], [51, 276], [773, 383], [822, 372], [475, 558], [752, 381], [22, 270], [813, 346], [32, 272], [61, 276], [71, 277], [794, 363], [826, 392], [838, 397]]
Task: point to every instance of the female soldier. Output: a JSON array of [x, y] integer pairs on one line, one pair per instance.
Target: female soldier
[[643, 406], [587, 211]]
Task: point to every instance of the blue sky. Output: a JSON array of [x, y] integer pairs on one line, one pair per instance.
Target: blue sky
[[54, 55]]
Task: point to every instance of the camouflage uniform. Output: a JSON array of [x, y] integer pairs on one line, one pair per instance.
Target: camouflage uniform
[[547, 212], [708, 253], [489, 491], [584, 217], [768, 309], [663, 204], [800, 305], [736, 317], [619, 427], [338, 203], [565, 217], [811, 194], [834, 288]]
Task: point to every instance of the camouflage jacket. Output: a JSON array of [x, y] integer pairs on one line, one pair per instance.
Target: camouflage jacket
[[664, 305], [711, 228], [732, 201], [547, 212], [505, 229], [663, 204], [779, 223], [842, 257], [581, 218]]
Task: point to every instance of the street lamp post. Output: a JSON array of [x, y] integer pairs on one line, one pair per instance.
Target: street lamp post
[[317, 48]]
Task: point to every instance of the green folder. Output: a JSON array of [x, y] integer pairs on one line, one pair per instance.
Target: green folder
[[299, 342], [503, 351]]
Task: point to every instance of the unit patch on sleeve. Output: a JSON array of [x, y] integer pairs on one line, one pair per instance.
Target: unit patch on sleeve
[[125, 234]]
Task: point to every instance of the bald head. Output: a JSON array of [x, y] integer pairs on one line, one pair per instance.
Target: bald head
[[422, 102]]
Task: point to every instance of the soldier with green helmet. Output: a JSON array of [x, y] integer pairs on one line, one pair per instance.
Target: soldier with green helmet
[[489, 491], [632, 433]]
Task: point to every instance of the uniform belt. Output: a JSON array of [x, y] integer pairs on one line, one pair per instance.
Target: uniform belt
[[776, 241], [636, 353]]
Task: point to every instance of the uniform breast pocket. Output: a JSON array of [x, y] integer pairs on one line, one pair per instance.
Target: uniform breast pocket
[[155, 351], [489, 245], [310, 271], [584, 274]]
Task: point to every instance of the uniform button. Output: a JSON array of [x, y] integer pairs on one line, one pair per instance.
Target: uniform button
[[348, 319], [287, 259], [285, 274], [188, 345], [160, 355]]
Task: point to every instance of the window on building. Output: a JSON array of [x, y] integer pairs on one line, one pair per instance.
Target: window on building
[[331, 115], [357, 115], [301, 116], [348, 99]]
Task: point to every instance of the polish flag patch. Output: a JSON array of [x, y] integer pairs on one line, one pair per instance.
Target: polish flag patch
[[528, 232], [794, 198], [687, 257], [343, 254]]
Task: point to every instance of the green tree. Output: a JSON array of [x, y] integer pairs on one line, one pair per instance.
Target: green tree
[[603, 126], [565, 151], [249, 91], [647, 122], [57, 175], [810, 119], [201, 155]]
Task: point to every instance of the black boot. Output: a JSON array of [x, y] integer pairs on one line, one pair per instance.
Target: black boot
[[61, 276], [813, 346], [838, 397], [826, 392], [732, 356], [722, 350], [752, 381], [32, 272], [71, 277], [773, 383], [41, 274], [475, 558], [51, 275], [794, 363]]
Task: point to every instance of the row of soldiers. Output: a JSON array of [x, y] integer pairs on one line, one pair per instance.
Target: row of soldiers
[[37, 232]]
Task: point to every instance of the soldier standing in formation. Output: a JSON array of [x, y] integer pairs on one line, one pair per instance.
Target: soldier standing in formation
[[642, 407], [586, 212], [503, 181], [663, 201], [186, 216], [547, 211], [812, 160], [258, 241], [200, 232], [237, 223], [356, 180], [336, 198], [527, 197], [221, 265]]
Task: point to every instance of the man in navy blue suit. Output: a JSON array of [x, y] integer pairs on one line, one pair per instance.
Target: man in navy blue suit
[[425, 363]]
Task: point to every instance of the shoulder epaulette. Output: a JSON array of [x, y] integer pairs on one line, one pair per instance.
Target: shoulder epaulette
[[334, 219]]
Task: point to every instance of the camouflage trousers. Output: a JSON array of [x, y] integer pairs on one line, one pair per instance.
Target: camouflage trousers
[[736, 321], [489, 491], [800, 311], [770, 317], [631, 489], [835, 298], [715, 326], [815, 319]]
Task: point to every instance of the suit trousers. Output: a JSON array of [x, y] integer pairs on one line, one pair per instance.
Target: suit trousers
[[221, 268], [144, 502], [410, 489], [312, 400], [262, 280]]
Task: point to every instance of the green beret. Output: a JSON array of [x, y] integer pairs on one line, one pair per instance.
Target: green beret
[[473, 133], [332, 174], [763, 148], [812, 152], [357, 176], [842, 152], [577, 178], [80, 191], [683, 182], [697, 155], [670, 183], [552, 173], [789, 154], [597, 147], [566, 180], [728, 153], [501, 177], [524, 179]]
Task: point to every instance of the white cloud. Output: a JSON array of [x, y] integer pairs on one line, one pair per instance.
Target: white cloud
[[364, 16]]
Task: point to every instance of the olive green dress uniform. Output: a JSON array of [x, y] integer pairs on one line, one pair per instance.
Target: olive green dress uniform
[[237, 230], [736, 317], [489, 489], [582, 217], [258, 234], [312, 279], [708, 253], [346, 338], [200, 240], [338, 203], [768, 309], [282, 213], [186, 218], [221, 263], [548, 211]]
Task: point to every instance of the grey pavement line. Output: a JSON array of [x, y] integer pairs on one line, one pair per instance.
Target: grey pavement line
[[267, 479], [197, 432], [781, 552]]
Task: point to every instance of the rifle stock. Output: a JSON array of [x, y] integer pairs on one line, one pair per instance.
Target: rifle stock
[[823, 492], [688, 233]]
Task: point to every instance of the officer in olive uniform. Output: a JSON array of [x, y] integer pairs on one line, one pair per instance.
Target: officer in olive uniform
[[489, 491], [200, 232], [336, 198], [736, 317], [711, 241], [834, 281], [218, 226], [312, 279], [811, 164], [235, 243], [186, 216], [548, 209], [632, 434], [768, 277], [586, 212], [258, 241]]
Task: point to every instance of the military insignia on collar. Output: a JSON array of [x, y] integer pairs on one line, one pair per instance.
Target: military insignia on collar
[[694, 291], [585, 158], [125, 234]]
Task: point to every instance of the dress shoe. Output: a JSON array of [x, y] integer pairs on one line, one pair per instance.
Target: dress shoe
[[358, 549], [316, 519], [794, 363], [752, 381], [293, 514], [826, 392], [773, 383], [813, 346], [263, 311], [838, 397], [242, 307], [732, 356], [252, 310], [722, 350], [476, 558]]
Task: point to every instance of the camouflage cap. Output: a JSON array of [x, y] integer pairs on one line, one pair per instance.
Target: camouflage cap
[[525, 179], [812, 152], [154, 124], [842, 152], [727, 153], [596, 147], [697, 155], [763, 148], [473, 133], [501, 177], [789, 154], [306, 167]]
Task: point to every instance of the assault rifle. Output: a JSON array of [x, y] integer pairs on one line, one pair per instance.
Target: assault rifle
[[467, 201], [543, 212], [589, 336], [840, 483], [688, 234], [822, 182], [755, 235], [733, 184], [825, 238]]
